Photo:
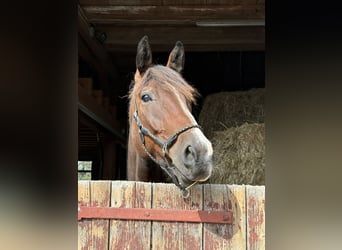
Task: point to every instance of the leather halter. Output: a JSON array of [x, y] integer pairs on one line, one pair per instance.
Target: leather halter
[[164, 145]]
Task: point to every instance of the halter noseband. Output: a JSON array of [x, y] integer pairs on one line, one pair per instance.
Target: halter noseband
[[164, 145]]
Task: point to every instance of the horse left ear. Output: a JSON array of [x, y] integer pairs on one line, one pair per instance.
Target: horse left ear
[[144, 55], [177, 57]]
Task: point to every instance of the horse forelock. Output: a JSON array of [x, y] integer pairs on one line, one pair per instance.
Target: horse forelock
[[169, 80]]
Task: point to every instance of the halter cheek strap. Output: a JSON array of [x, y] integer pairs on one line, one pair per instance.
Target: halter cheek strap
[[164, 145]]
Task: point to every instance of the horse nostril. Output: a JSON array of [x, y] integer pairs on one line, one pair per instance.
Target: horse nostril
[[189, 156]]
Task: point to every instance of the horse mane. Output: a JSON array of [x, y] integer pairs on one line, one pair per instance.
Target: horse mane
[[169, 80]]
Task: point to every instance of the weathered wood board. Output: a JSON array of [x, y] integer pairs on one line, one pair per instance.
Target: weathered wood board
[[84, 226], [100, 197], [93, 234], [255, 202], [176, 235], [227, 198], [247, 204], [126, 234]]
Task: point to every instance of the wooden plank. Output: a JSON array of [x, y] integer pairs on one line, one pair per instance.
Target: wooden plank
[[209, 2], [194, 47], [115, 22], [100, 196], [130, 234], [98, 51], [84, 226], [152, 12], [198, 35], [227, 198], [176, 235], [194, 39], [119, 2], [141, 22], [255, 197], [163, 2]]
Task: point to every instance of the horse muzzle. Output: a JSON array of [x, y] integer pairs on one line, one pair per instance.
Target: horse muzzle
[[192, 155]]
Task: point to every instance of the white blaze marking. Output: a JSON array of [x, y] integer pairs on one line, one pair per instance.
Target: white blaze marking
[[196, 131]]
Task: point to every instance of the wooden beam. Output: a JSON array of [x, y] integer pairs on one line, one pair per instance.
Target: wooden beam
[[194, 39], [166, 2], [142, 22], [191, 35], [246, 46], [119, 2], [96, 53], [97, 49], [182, 22], [197, 13], [209, 2]]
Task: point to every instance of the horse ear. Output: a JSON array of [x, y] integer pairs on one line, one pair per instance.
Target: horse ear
[[177, 57], [144, 55]]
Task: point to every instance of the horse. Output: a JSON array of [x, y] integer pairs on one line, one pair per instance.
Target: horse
[[165, 143]]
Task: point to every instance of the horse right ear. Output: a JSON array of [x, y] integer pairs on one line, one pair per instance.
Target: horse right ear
[[144, 55], [177, 57]]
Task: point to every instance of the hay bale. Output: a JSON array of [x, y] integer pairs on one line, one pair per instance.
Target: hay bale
[[231, 109], [239, 155]]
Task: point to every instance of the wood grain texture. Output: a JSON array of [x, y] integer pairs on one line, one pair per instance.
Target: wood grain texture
[[194, 38], [191, 35], [166, 2], [227, 198], [176, 235], [247, 203], [125, 234], [100, 197], [152, 12], [255, 201], [94, 50], [84, 226]]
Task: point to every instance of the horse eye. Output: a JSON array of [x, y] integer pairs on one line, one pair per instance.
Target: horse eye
[[146, 98]]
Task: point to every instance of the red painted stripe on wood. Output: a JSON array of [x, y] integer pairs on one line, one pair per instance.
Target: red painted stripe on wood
[[218, 217]]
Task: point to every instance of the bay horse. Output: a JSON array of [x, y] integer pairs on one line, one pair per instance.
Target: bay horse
[[165, 142]]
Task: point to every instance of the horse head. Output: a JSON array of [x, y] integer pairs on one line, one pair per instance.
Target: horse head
[[162, 128]]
